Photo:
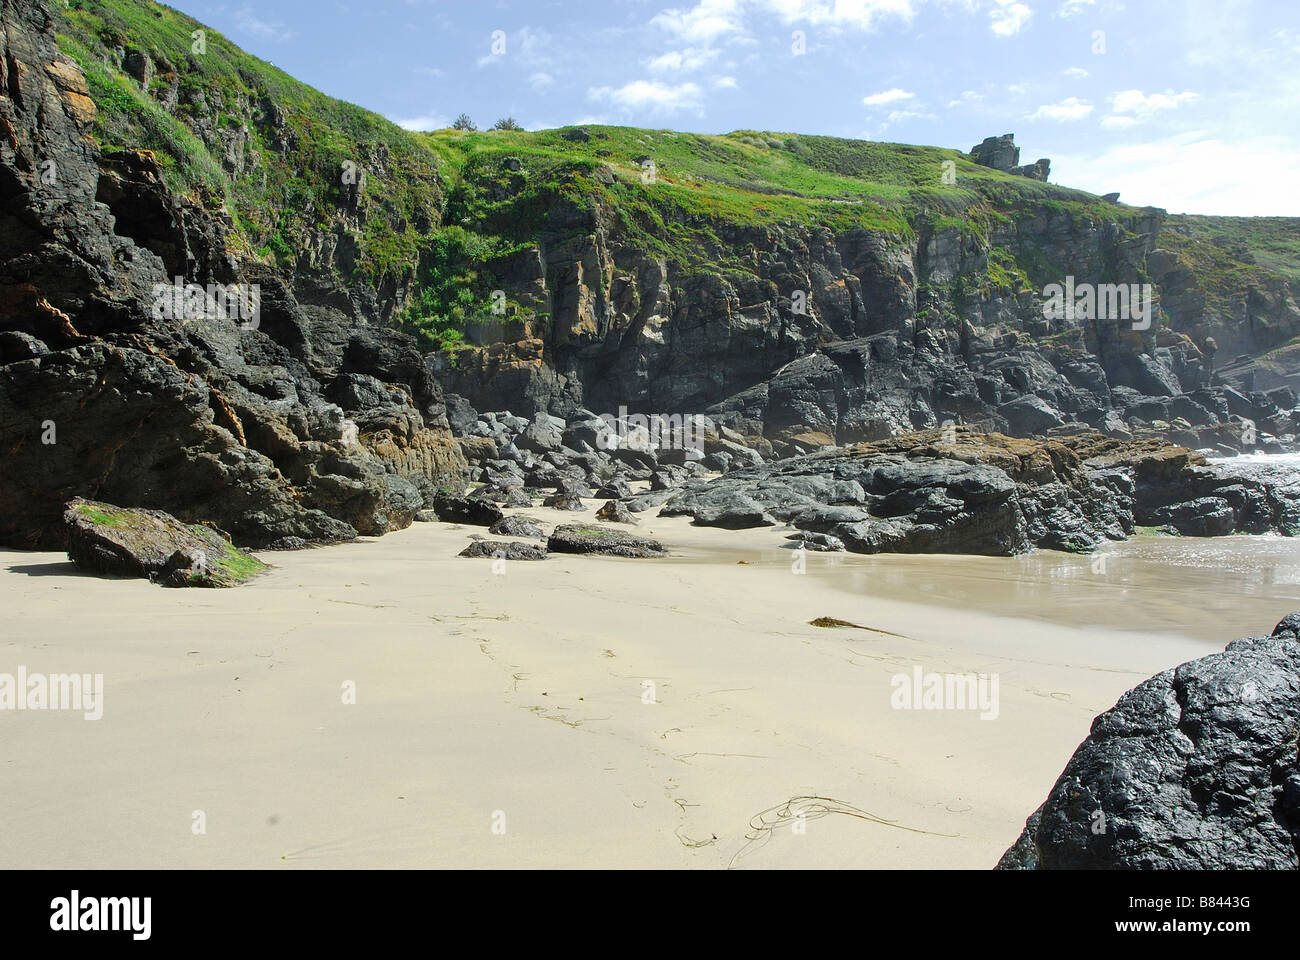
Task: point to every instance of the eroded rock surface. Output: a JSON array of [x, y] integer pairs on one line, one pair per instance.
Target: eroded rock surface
[[995, 495], [1195, 769]]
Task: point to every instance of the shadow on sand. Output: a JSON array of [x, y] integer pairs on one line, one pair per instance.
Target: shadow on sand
[[65, 568]]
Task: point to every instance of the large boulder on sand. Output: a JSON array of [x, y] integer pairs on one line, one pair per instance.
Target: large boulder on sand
[[576, 538], [153, 545]]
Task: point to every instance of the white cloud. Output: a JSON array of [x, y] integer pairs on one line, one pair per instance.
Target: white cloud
[[1074, 7], [1009, 17], [897, 116], [704, 23], [428, 121], [861, 14], [1077, 73], [540, 81], [650, 95], [726, 83], [1142, 106], [677, 61], [711, 20], [1288, 37], [887, 96], [1069, 109], [249, 22], [1118, 123], [1193, 173], [531, 43], [967, 98]]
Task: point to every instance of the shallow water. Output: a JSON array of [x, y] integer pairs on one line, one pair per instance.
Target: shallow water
[[1210, 589], [1268, 459]]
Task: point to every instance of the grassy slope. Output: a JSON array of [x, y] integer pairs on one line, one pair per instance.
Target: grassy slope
[[447, 199], [1235, 252], [272, 206], [745, 178]]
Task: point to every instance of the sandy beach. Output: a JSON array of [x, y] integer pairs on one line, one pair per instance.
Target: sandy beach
[[587, 711]]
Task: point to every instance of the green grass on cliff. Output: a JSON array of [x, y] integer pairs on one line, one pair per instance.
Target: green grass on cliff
[[223, 88], [1230, 255], [744, 178], [444, 211]]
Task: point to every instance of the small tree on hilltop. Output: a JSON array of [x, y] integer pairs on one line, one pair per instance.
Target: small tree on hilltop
[[463, 122], [507, 123]]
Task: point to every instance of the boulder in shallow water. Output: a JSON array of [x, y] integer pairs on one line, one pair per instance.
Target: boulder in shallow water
[[104, 538], [817, 542]]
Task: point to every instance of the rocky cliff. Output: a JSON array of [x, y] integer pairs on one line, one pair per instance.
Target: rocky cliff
[[784, 284], [282, 424], [802, 291]]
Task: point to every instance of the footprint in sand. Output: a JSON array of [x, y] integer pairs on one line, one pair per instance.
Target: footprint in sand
[[1053, 695]]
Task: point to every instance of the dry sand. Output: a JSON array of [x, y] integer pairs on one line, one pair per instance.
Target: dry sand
[[518, 700]]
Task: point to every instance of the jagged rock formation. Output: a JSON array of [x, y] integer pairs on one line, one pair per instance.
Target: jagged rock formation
[[290, 426], [862, 321], [894, 335], [993, 495], [1001, 153], [946, 491], [1195, 769], [828, 319]]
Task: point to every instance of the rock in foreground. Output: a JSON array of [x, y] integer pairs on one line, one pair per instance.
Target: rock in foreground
[[574, 538], [1195, 769], [154, 545]]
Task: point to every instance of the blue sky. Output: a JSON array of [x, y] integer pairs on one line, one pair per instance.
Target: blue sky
[[1192, 105]]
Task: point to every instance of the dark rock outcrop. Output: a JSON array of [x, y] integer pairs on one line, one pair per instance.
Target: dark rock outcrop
[[504, 550], [994, 495], [615, 511], [310, 422], [282, 426], [1195, 769], [576, 538], [517, 526], [474, 511], [1001, 153]]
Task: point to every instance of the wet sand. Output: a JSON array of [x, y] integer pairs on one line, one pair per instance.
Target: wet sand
[[583, 711]]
